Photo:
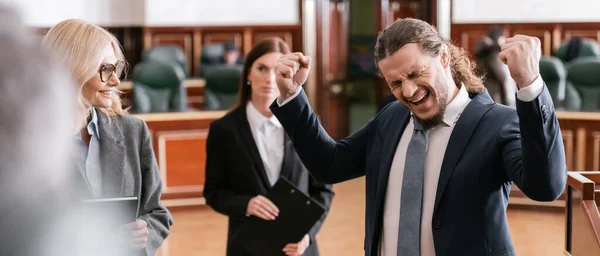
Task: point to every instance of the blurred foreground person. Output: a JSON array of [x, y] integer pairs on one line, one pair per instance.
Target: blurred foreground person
[[35, 117]]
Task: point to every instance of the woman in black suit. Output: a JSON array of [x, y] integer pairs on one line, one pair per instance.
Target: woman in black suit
[[248, 150]]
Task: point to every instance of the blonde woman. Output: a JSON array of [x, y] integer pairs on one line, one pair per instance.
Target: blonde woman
[[114, 153]]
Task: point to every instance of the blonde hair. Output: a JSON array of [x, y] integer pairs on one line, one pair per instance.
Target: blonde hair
[[79, 45]]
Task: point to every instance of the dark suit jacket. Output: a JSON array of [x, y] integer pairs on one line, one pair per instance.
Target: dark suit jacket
[[129, 168], [491, 146], [235, 173]]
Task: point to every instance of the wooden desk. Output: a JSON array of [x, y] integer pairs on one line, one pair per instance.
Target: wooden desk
[[194, 88], [581, 138], [179, 141]]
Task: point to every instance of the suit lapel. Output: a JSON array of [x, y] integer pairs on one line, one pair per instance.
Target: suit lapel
[[113, 154], [464, 128], [395, 127], [248, 139]]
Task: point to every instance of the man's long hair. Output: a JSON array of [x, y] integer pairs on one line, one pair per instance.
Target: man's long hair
[[406, 31]]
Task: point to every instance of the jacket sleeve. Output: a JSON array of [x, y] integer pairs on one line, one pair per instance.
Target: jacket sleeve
[[217, 188], [323, 193], [329, 161], [533, 150], [152, 211]]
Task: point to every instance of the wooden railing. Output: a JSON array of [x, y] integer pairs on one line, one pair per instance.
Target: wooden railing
[[582, 218]]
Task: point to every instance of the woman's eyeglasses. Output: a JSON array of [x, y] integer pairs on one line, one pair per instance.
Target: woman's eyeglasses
[[106, 70]]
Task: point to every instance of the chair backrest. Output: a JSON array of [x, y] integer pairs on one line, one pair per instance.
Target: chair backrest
[[158, 87], [554, 74], [584, 74], [168, 53], [212, 53], [572, 100], [578, 48], [222, 85], [211, 56]]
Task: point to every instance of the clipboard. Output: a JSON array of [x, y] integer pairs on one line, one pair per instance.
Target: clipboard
[[298, 213], [112, 212]]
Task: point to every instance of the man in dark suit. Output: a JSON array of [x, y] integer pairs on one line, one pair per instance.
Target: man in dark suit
[[439, 163]]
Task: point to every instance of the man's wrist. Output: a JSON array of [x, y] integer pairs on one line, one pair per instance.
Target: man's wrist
[[522, 83], [289, 94]]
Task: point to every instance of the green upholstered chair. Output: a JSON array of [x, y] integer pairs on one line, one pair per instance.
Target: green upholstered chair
[[222, 85], [211, 57], [158, 87], [588, 48], [168, 53], [554, 74], [584, 75]]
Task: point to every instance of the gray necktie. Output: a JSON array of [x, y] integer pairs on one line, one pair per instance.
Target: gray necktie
[[409, 229]]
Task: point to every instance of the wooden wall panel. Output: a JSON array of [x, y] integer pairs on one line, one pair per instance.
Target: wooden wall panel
[[191, 39], [551, 34], [181, 39], [218, 37], [585, 30], [467, 37], [285, 36], [544, 33], [292, 35]]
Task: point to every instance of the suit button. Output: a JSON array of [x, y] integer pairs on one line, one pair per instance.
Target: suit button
[[436, 226], [544, 107]]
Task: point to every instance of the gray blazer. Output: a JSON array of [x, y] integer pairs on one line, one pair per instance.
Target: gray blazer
[[130, 169]]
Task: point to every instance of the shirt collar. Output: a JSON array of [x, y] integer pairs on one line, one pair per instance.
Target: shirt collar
[[92, 126], [256, 119], [456, 106]]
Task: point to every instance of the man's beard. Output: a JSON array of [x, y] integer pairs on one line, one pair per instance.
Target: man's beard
[[441, 92]]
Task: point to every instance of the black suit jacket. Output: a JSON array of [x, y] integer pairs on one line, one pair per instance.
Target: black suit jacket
[[491, 147], [235, 173]]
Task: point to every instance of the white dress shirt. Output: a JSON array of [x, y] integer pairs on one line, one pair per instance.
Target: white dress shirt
[[437, 140], [269, 138]]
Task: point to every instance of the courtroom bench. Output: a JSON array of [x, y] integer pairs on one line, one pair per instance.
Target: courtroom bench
[[179, 142]]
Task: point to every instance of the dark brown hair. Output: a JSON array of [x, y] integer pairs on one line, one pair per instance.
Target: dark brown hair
[[265, 46], [407, 31]]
